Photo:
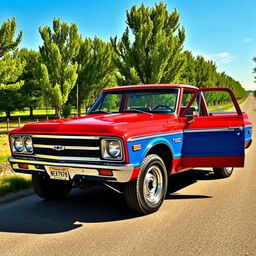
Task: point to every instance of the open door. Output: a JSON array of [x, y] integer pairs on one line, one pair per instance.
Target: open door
[[212, 138]]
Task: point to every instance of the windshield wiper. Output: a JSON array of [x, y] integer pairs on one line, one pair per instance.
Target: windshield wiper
[[137, 111], [100, 112]]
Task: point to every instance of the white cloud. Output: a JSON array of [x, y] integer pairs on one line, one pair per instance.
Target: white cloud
[[223, 54], [247, 40], [223, 57], [220, 58]]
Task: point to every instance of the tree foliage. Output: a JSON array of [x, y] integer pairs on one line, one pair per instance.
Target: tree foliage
[[11, 66], [11, 100], [95, 69], [149, 49], [7, 33], [57, 74], [31, 90], [203, 73]]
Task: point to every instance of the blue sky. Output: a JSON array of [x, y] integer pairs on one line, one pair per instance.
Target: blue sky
[[221, 30]]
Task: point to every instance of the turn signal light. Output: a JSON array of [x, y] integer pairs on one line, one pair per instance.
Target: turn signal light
[[105, 172], [23, 166]]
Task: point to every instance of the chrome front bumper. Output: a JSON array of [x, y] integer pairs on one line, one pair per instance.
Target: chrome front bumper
[[121, 173]]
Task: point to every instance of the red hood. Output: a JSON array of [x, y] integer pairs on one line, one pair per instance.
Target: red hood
[[122, 125]]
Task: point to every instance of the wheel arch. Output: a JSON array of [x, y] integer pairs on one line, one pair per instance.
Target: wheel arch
[[164, 151]]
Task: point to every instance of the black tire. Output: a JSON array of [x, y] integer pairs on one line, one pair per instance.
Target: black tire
[[49, 189], [146, 194], [224, 172]]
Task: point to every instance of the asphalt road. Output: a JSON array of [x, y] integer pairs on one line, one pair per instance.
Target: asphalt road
[[200, 216]]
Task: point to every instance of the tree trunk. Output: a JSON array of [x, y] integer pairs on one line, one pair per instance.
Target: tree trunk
[[8, 114], [31, 114], [58, 111]]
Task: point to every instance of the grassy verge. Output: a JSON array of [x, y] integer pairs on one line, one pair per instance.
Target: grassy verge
[[13, 183], [40, 112], [4, 148]]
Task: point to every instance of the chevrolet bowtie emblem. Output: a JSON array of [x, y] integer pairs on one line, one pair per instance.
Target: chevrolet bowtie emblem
[[58, 147]]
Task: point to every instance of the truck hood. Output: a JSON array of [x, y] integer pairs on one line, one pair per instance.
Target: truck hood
[[124, 125]]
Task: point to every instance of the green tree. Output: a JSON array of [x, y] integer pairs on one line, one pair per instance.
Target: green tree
[[31, 90], [11, 66], [203, 73], [188, 75], [7, 33], [152, 54], [95, 71], [11, 100], [57, 74]]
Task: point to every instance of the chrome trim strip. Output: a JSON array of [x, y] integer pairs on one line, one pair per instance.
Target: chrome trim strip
[[228, 129], [143, 137], [122, 173], [67, 158], [67, 147], [66, 137]]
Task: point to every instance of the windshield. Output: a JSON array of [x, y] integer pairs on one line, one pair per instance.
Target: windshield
[[144, 100]]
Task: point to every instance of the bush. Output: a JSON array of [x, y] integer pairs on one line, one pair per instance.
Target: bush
[[66, 110]]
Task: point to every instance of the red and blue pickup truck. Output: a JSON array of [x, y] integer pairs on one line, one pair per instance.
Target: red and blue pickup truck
[[131, 140]]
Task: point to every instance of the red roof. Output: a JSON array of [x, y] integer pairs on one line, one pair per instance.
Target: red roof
[[149, 86]]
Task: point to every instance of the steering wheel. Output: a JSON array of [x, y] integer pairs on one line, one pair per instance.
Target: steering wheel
[[163, 106]]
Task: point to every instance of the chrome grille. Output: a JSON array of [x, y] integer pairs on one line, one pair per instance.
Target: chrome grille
[[66, 147]]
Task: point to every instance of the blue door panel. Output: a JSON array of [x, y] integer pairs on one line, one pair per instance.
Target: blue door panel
[[214, 143]]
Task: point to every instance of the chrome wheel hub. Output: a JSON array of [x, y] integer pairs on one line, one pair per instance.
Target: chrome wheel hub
[[229, 169], [153, 185]]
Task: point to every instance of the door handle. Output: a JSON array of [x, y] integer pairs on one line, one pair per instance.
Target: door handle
[[232, 128]]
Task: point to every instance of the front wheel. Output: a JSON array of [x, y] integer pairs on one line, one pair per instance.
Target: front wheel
[[223, 172], [146, 194], [49, 189]]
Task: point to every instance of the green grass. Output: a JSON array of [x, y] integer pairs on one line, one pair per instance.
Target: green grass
[[14, 183], [38, 112], [3, 158], [4, 148]]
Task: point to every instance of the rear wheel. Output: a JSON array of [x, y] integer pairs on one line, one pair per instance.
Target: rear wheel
[[49, 189], [223, 172], [146, 194]]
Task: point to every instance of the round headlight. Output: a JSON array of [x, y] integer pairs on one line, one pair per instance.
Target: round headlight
[[18, 145], [114, 148], [28, 144]]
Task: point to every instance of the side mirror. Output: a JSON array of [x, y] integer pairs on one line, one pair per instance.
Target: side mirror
[[191, 119]]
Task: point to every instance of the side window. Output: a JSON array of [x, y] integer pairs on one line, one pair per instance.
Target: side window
[[187, 95], [212, 102], [218, 102]]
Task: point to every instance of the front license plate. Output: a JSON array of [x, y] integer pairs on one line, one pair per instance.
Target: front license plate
[[59, 173]]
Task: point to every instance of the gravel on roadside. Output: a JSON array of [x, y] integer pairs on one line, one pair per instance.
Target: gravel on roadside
[[5, 169]]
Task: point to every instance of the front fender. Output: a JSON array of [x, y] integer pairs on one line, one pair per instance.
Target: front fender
[[173, 141]]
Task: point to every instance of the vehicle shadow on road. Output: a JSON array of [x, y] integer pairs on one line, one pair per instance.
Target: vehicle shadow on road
[[99, 204], [185, 179]]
